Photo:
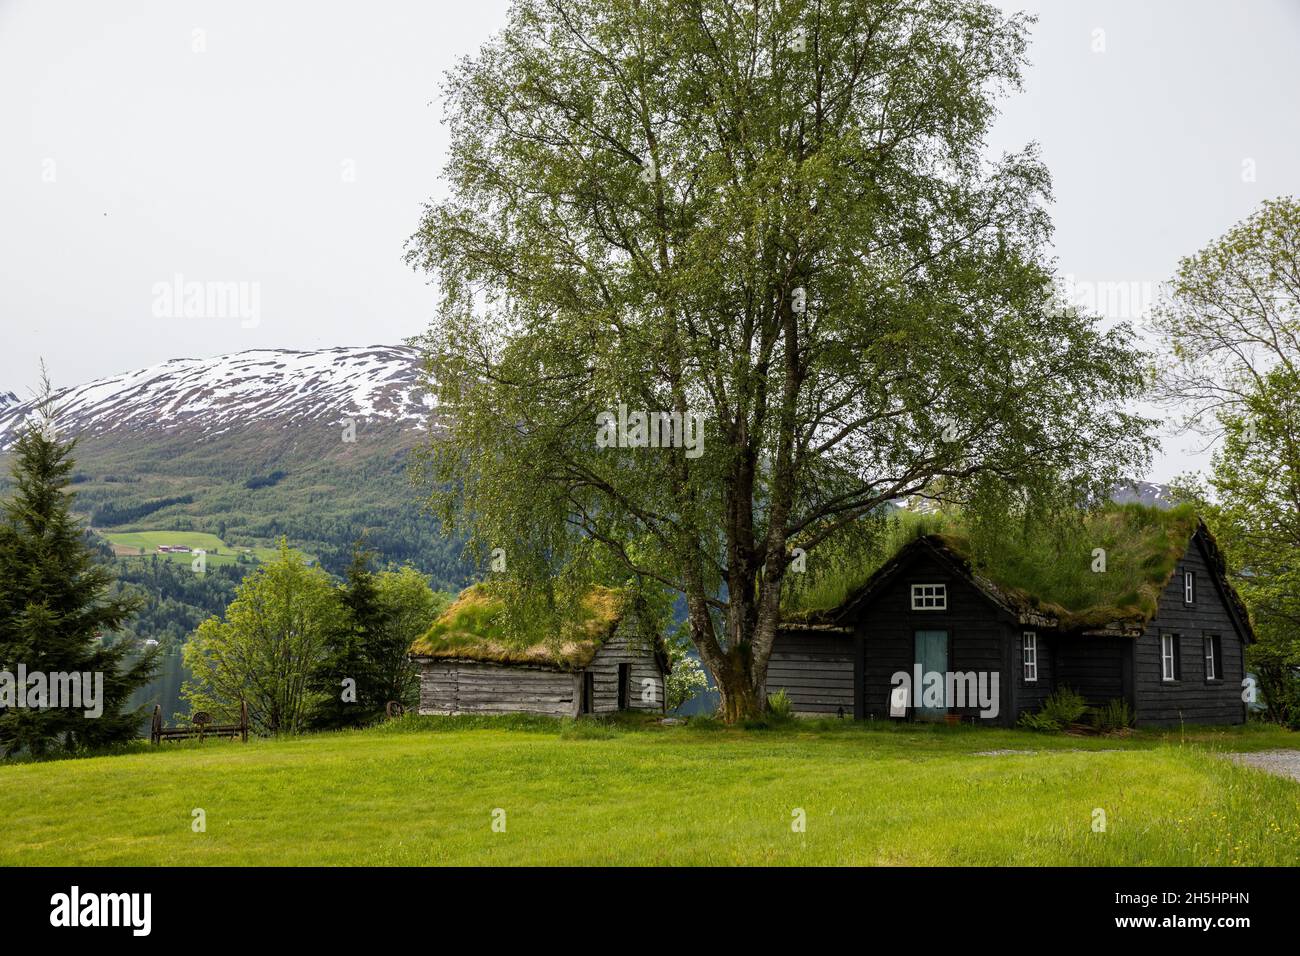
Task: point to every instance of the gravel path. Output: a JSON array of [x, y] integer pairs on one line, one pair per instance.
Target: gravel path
[[1284, 763]]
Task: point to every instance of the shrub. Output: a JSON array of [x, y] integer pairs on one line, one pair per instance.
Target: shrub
[[1112, 716], [1037, 722], [1065, 706], [1061, 709], [779, 707]]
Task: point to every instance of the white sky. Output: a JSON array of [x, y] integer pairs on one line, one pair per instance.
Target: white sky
[[229, 164]]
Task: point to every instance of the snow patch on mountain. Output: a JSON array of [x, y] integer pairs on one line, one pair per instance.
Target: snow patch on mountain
[[1148, 493], [262, 386]]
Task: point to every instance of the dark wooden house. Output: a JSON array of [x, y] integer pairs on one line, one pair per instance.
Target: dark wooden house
[[599, 666], [927, 611]]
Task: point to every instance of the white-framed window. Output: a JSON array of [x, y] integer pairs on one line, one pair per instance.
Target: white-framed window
[[1189, 587], [1169, 657], [929, 597], [1213, 667], [1029, 653]]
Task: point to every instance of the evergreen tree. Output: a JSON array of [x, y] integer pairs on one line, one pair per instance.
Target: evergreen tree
[[345, 657], [56, 605]]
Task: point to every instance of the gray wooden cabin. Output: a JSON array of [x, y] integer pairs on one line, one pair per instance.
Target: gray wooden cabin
[[621, 671], [926, 605]]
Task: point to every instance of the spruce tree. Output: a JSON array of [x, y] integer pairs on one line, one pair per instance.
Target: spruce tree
[[347, 656], [56, 603]]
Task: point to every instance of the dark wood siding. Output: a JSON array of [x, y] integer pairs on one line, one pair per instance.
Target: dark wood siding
[[1029, 695], [823, 673], [1093, 666], [1190, 699], [979, 635], [815, 671]]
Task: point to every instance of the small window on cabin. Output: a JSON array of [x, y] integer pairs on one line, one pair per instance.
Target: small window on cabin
[[929, 597], [1213, 657], [1189, 587], [1029, 649], [1169, 657]]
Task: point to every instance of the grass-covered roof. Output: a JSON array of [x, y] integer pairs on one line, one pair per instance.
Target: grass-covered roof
[[1048, 573], [476, 628]]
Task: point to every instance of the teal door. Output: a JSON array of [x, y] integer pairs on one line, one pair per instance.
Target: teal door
[[932, 656]]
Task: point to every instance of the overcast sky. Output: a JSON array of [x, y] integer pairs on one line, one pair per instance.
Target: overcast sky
[[291, 144]]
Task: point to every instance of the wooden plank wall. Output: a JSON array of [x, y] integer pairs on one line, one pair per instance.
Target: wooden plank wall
[[1190, 699], [1093, 666], [625, 646], [815, 671], [1029, 696], [979, 637], [463, 687]]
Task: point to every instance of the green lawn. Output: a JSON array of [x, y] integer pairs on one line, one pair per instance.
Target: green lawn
[[218, 552], [423, 791]]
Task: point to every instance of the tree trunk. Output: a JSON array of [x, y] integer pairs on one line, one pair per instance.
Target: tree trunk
[[740, 669], [741, 699]]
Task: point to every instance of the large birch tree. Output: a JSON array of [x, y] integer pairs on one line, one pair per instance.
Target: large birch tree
[[780, 218]]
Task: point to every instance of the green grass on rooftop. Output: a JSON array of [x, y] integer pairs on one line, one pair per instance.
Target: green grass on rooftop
[[476, 627], [1049, 568]]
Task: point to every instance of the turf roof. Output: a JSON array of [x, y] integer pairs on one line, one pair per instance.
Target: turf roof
[[473, 629], [1053, 579]]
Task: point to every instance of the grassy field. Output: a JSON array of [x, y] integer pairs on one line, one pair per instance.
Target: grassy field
[[424, 791], [128, 543]]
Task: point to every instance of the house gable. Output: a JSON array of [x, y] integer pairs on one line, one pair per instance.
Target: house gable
[[922, 562], [1215, 613]]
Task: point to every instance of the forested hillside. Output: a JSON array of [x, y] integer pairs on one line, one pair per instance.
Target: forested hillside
[[232, 454]]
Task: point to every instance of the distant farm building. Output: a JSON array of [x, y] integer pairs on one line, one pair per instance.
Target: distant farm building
[[173, 549], [597, 665]]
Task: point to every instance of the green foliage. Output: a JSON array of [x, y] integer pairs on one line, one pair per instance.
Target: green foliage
[[271, 641], [478, 625], [174, 601], [686, 677], [779, 706], [1047, 558], [1233, 322], [343, 659], [111, 513], [328, 495], [1061, 709], [290, 640], [1112, 716], [1275, 662], [806, 254], [1052, 560], [844, 564], [407, 603], [57, 605]]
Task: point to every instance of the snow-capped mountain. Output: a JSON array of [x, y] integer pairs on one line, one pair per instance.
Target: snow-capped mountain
[[259, 387], [1148, 493]]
